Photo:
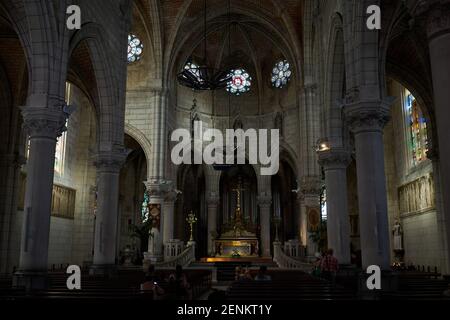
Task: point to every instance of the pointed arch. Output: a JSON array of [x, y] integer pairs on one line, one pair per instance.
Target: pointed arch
[[106, 94]]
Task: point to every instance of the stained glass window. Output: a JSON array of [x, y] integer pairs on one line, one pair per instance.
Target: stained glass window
[[417, 129], [323, 204], [135, 48], [281, 74], [240, 82], [144, 210]]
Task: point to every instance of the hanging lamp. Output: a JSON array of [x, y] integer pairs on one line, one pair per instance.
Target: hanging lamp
[[202, 77]]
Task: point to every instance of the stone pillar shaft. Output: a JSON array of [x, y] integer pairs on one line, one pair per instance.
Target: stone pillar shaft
[[162, 193], [168, 216], [310, 198], [367, 120], [159, 136], [438, 30], [213, 204], [265, 203], [108, 171], [9, 186], [43, 126], [335, 164]]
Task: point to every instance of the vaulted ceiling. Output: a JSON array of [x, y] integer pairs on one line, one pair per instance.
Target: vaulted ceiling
[[259, 29]]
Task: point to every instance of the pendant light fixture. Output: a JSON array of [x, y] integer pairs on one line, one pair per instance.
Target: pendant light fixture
[[203, 77]]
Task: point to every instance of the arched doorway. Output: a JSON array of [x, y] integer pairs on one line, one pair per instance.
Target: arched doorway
[[191, 182], [131, 196], [284, 203]]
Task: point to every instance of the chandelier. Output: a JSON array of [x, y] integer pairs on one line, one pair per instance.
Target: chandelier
[[203, 77]]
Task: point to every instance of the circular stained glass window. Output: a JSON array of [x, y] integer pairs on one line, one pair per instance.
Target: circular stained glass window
[[281, 74], [240, 82], [135, 48]]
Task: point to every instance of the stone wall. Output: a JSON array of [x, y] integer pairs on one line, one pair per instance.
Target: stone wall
[[411, 197]]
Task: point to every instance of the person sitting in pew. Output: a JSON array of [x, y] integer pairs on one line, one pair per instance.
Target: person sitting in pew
[[247, 275], [262, 274], [446, 293], [150, 285], [330, 266], [237, 273], [243, 274], [180, 288]]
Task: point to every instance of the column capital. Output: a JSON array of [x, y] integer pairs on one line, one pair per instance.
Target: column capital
[[213, 199], [158, 87], [334, 159], [366, 115], [110, 161], [309, 89], [264, 201], [437, 16], [310, 185], [171, 195], [159, 188], [46, 122]]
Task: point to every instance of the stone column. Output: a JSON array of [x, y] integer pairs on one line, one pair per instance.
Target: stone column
[[310, 187], [108, 170], [157, 185], [157, 193], [438, 30], [301, 220], [265, 203], [366, 119], [168, 215], [44, 126], [335, 164], [9, 194], [213, 203], [159, 106], [433, 155]]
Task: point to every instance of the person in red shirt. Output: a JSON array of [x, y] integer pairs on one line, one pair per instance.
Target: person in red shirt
[[330, 266]]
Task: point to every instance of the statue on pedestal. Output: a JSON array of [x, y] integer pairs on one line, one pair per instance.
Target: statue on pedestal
[[397, 232], [155, 244], [399, 252], [154, 240]]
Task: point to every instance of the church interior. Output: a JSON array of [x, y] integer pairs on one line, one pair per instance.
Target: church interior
[[88, 119]]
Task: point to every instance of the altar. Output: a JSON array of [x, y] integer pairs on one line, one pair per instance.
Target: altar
[[237, 242], [236, 247]]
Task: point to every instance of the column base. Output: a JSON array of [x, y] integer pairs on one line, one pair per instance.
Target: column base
[[105, 270], [191, 243], [389, 283], [30, 280], [150, 259], [153, 259]]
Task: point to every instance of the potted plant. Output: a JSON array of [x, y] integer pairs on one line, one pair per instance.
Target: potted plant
[[141, 232]]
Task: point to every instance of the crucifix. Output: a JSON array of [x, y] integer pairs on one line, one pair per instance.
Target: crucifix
[[238, 190]]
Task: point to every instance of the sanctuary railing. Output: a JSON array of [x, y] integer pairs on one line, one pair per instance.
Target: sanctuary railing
[[184, 259], [286, 262]]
